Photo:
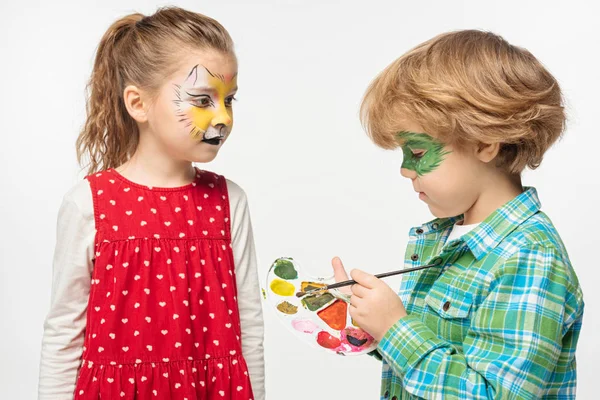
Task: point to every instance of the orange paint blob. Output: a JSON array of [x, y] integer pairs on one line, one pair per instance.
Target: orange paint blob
[[335, 315]]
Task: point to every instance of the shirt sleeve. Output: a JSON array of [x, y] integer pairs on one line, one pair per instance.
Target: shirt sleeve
[[62, 342], [248, 288], [516, 335]]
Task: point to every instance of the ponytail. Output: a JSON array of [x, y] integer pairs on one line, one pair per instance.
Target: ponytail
[[137, 50]]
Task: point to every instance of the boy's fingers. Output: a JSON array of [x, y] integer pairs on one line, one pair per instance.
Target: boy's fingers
[[355, 301], [364, 279], [359, 290]]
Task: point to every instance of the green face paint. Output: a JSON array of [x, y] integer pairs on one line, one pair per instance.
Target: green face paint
[[422, 153]]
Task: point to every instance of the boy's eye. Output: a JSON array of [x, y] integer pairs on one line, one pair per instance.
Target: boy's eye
[[418, 153]]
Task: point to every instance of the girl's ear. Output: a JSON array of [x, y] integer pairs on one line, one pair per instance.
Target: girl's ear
[[487, 152], [134, 102]]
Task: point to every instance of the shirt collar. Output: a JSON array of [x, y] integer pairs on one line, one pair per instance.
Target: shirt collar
[[483, 239], [435, 226]]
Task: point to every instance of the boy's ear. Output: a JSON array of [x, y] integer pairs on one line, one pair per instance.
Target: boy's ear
[[487, 152], [134, 102]]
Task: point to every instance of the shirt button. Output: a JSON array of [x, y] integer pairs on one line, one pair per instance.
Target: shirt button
[[446, 306], [435, 226], [419, 231], [414, 257]]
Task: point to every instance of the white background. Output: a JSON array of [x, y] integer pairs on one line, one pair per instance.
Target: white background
[[317, 186]]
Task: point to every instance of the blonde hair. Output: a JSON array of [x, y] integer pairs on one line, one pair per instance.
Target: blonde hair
[[469, 88], [142, 51]]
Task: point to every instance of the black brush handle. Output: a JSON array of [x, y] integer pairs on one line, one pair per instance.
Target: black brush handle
[[384, 275]]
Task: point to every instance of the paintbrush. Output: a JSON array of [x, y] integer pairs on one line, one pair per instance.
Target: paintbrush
[[352, 282]]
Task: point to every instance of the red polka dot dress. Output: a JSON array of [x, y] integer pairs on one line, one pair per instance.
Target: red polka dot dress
[[162, 319]]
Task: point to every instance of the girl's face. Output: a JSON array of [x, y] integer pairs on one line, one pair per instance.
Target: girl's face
[[192, 115]]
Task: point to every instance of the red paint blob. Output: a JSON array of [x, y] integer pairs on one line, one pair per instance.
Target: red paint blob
[[326, 340]]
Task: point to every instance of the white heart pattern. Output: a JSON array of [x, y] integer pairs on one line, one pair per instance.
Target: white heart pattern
[[134, 227]]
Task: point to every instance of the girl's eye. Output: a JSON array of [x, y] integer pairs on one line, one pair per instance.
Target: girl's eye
[[201, 101], [229, 101]]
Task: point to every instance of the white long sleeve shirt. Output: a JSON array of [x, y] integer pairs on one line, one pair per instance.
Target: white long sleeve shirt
[[62, 343]]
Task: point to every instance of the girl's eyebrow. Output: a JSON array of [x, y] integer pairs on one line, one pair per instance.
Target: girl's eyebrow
[[201, 89], [195, 95], [206, 89]]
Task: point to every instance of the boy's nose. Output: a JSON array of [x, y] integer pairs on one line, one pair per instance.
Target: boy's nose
[[408, 173]]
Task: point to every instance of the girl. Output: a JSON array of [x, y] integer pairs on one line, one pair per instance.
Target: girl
[[155, 291]]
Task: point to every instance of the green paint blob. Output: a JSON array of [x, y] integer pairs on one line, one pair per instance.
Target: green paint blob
[[433, 152], [285, 269], [313, 303], [282, 288]]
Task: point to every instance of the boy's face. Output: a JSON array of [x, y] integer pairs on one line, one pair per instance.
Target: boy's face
[[447, 180]]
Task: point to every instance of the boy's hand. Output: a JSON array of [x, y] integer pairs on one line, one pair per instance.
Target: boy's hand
[[374, 306]]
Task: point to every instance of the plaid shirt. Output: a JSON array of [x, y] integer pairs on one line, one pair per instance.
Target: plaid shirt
[[499, 318]]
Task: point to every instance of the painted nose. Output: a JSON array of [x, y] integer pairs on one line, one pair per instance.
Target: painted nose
[[222, 118]]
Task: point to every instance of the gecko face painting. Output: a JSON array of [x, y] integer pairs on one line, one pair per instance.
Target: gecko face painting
[[422, 153], [322, 319], [446, 179]]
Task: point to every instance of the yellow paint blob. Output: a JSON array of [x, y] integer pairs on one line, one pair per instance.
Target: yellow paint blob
[[282, 288]]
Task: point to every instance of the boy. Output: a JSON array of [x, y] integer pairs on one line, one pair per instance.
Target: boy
[[500, 314]]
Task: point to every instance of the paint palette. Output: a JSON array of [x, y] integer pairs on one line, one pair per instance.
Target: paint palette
[[323, 320]]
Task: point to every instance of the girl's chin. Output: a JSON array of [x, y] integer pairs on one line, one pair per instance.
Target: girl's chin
[[205, 157], [204, 153]]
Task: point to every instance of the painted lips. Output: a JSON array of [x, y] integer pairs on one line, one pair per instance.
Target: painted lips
[[214, 142], [214, 136]]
